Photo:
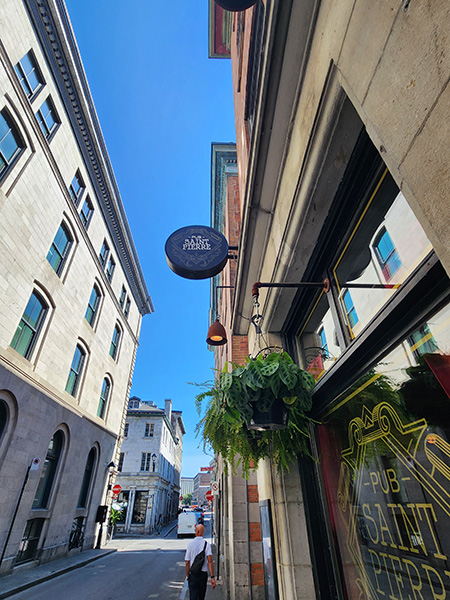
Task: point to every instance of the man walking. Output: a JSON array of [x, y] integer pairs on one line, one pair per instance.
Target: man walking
[[197, 582]]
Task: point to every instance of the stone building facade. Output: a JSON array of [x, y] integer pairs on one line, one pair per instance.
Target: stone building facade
[[149, 466], [72, 293], [341, 112]]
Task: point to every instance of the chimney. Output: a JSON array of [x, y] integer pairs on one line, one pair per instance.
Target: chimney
[[168, 408]]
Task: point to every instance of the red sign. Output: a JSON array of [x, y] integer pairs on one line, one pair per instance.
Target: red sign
[[206, 468], [117, 489], [209, 495]]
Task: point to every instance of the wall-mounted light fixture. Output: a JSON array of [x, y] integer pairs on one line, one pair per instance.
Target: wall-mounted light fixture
[[217, 336]]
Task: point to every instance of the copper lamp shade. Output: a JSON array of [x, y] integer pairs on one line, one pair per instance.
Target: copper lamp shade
[[217, 335]]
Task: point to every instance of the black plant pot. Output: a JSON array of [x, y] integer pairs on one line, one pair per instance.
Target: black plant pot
[[235, 5], [274, 419]]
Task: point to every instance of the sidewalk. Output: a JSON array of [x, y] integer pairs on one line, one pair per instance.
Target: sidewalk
[[23, 579]]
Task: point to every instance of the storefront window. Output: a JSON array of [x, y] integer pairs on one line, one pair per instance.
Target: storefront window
[[384, 450], [139, 508], [384, 247], [319, 346], [122, 504]]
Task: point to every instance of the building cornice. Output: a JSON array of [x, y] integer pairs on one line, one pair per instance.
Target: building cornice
[[54, 31]]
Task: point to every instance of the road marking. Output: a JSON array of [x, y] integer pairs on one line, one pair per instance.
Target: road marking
[[184, 590], [153, 596]]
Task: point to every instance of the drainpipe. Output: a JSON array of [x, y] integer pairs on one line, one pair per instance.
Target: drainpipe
[[250, 591]]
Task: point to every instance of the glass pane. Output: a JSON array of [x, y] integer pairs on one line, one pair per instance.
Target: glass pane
[[9, 146], [379, 251], [139, 508], [22, 339], [319, 345], [33, 80], [71, 383], [54, 258], [4, 127], [384, 451]]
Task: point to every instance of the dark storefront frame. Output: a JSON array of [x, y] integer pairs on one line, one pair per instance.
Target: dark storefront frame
[[421, 294]]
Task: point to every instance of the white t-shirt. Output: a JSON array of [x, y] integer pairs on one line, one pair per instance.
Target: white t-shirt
[[195, 547]]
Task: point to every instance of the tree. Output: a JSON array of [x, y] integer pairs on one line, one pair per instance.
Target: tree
[[187, 499]]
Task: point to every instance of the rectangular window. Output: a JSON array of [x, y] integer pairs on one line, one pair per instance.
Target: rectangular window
[[76, 188], [47, 118], [103, 256], [123, 295], [10, 142], [115, 342], [110, 269], [126, 312], [59, 249], [75, 371], [145, 461], [92, 306], [125, 429], [28, 545], [120, 465], [29, 75], [29, 326], [149, 429], [86, 212]]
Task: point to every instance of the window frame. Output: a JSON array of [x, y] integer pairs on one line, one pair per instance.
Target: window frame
[[86, 217], [19, 142], [104, 253], [109, 271], [123, 296], [77, 370], [76, 197], [47, 478], [126, 311], [63, 255], [115, 342], [94, 309], [24, 77], [48, 132], [145, 462], [385, 264], [105, 395], [37, 328], [87, 481]]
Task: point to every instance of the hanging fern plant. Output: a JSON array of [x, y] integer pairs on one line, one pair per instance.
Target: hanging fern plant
[[240, 397]]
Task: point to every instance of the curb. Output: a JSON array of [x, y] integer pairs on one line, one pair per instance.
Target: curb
[[25, 586]]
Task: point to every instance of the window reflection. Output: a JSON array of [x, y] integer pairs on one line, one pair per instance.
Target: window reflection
[[385, 460], [379, 251], [319, 346]]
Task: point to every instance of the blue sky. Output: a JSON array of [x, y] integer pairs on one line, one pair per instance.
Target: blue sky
[[161, 102]]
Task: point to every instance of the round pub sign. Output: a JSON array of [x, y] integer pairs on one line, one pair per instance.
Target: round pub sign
[[196, 252]]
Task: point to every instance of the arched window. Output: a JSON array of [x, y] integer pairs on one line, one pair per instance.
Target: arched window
[[11, 143], [59, 250], [49, 471], [30, 324], [76, 369], [114, 348], [4, 415], [87, 477], [104, 395], [93, 304]]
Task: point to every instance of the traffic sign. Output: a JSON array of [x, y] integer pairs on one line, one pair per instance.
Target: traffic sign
[[209, 495], [117, 489], [215, 487]]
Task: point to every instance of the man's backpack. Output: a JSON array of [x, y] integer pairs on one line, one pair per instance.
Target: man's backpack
[[196, 567]]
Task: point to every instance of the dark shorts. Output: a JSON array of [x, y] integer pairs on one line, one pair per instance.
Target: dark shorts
[[197, 586]]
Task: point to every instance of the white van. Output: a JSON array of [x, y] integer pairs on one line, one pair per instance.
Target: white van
[[186, 524]]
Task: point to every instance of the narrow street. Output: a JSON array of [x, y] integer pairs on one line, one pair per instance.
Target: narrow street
[[142, 568]]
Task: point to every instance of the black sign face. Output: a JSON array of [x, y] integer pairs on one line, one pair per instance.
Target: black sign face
[[196, 252]]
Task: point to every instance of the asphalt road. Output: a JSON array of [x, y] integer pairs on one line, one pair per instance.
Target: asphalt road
[[142, 568]]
